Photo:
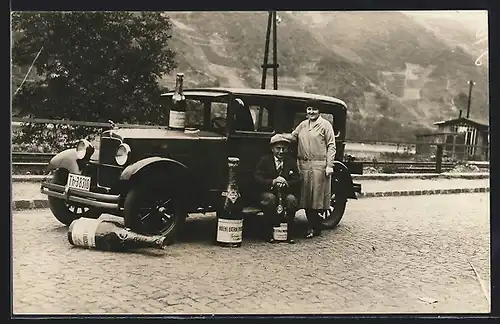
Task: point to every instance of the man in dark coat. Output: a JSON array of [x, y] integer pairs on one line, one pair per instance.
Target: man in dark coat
[[278, 171]]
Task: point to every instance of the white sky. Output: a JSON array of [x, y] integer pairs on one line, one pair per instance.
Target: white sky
[[477, 18]]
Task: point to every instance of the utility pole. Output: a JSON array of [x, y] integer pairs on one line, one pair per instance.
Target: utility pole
[[271, 24], [471, 84]]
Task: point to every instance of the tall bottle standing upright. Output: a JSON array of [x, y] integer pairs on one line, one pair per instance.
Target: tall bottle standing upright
[[229, 215], [177, 114], [109, 236], [280, 228]]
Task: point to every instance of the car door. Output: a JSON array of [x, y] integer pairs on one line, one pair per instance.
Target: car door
[[252, 128]]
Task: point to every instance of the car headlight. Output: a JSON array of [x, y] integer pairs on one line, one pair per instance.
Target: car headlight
[[84, 149], [122, 154]]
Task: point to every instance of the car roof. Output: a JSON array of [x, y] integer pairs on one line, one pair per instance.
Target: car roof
[[287, 94]]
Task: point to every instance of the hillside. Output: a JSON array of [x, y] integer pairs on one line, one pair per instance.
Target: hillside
[[397, 74], [469, 31]]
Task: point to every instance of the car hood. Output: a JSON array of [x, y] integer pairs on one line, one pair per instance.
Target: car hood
[[152, 137], [160, 133]]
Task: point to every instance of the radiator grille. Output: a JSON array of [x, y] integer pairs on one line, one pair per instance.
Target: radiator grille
[[107, 150], [107, 175]]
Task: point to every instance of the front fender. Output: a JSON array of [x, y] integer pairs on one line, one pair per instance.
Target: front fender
[[144, 164], [169, 171], [65, 160], [342, 182]]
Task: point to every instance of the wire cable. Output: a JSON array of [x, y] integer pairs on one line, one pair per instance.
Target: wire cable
[[29, 70]]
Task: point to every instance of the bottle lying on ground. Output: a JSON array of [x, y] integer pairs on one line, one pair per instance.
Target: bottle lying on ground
[[109, 236], [230, 216]]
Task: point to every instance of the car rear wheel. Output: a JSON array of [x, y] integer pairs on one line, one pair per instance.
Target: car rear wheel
[[331, 217], [66, 212], [153, 211]]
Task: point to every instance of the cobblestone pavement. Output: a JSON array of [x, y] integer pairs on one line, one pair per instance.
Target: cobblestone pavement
[[393, 254]]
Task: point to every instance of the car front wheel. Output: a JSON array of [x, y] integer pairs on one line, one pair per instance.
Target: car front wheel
[[153, 212], [67, 212]]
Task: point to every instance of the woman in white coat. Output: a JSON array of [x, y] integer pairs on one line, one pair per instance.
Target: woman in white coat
[[315, 155]]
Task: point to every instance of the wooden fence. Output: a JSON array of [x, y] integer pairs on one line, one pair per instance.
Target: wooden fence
[[437, 164]]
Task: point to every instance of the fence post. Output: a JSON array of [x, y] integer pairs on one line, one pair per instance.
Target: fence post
[[439, 157]]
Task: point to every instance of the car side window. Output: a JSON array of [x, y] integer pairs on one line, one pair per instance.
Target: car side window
[[194, 113], [298, 118], [328, 117], [260, 116], [218, 110], [218, 115], [253, 118]]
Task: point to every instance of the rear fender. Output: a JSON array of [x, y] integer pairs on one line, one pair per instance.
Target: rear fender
[[342, 183], [65, 160]]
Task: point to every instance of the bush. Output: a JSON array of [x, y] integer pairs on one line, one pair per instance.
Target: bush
[[388, 169], [43, 138], [393, 156]]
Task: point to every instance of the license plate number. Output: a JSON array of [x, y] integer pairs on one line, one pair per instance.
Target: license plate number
[[78, 182]]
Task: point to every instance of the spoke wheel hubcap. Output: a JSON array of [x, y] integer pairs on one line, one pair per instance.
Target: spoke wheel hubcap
[[158, 217]]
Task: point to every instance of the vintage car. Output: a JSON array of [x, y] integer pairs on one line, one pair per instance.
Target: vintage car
[[154, 177]]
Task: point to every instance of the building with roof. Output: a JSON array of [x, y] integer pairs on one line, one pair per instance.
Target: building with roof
[[464, 139]]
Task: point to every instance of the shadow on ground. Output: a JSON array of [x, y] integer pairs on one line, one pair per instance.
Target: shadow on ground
[[203, 229]]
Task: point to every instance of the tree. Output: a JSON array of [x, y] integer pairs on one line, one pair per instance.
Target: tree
[[93, 66]]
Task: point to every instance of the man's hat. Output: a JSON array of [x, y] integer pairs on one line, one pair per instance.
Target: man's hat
[[279, 138]]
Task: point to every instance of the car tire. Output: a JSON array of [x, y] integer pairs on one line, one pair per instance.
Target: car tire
[[67, 212], [143, 214], [331, 217]]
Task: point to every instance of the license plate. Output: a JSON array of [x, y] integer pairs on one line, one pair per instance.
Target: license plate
[[79, 182]]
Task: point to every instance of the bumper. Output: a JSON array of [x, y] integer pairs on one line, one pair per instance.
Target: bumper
[[87, 198]]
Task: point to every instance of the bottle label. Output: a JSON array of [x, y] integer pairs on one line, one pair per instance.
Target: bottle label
[[177, 119], [280, 233], [83, 232], [232, 195], [229, 230]]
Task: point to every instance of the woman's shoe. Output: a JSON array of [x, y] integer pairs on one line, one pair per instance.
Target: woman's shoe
[[310, 233], [291, 241]]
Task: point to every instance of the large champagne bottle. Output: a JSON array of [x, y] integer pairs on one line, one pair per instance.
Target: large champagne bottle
[[280, 229], [109, 236], [177, 114], [229, 215]]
